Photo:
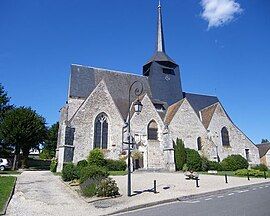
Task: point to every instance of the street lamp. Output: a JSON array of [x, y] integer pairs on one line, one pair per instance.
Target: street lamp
[[138, 108]]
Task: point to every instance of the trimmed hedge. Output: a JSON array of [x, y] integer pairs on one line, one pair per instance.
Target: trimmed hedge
[[214, 165], [116, 165], [194, 161], [252, 172], [234, 162], [69, 172], [260, 167]]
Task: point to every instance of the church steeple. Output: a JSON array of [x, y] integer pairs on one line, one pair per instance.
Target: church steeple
[[162, 72], [160, 36]]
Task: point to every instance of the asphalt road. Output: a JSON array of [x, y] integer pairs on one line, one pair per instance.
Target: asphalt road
[[251, 201]]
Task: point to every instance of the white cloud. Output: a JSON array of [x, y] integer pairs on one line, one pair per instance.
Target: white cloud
[[219, 12]]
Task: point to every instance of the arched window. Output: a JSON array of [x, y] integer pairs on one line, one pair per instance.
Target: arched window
[[152, 130], [225, 137], [101, 131], [199, 143]]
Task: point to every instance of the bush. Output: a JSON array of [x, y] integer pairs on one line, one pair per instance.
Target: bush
[[260, 167], [80, 165], [96, 157], [93, 172], [46, 154], [214, 165], [185, 168], [116, 165], [234, 162], [205, 164], [90, 190], [179, 154], [53, 165], [107, 188], [252, 172], [194, 161], [69, 172]]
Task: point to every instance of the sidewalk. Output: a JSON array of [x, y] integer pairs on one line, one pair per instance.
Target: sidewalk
[[42, 193]]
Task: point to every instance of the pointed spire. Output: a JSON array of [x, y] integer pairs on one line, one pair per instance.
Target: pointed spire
[[160, 36]]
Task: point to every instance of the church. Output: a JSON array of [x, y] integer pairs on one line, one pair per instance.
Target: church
[[98, 109]]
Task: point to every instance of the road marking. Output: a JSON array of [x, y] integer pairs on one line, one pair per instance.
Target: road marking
[[195, 201], [254, 189], [261, 187], [230, 194], [220, 196], [243, 191], [266, 186], [208, 198]]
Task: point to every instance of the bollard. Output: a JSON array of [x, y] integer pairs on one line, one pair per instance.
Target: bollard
[[197, 181], [248, 176], [226, 179], [265, 175], [155, 186]]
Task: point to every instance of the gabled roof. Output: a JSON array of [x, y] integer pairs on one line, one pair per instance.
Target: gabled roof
[[207, 114], [263, 148], [199, 102], [83, 81], [172, 110]]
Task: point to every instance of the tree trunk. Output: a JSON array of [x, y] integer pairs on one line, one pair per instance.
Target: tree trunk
[[16, 156], [25, 157]]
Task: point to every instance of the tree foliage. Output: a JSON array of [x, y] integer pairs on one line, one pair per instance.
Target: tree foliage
[[50, 143], [24, 129], [179, 154], [4, 102]]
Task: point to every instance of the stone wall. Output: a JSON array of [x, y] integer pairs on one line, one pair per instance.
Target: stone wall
[[83, 122], [238, 141]]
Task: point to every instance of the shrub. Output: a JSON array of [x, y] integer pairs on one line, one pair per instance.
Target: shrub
[[69, 172], [185, 168], [80, 165], [53, 165], [96, 157], [107, 188], [205, 164], [90, 190], [179, 154], [260, 167], [234, 162], [93, 172], [252, 172], [194, 161], [116, 165], [46, 154], [214, 165]]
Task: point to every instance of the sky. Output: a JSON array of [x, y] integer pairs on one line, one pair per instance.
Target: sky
[[222, 47]]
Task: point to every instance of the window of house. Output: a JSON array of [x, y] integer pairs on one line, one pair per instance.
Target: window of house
[[101, 131], [225, 137], [199, 143], [247, 154], [152, 131]]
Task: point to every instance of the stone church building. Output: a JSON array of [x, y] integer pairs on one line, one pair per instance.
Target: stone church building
[[97, 108]]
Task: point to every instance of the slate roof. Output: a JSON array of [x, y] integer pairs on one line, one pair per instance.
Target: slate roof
[[199, 102], [207, 114], [83, 80], [263, 148]]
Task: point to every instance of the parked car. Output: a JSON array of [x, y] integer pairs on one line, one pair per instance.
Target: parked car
[[5, 164]]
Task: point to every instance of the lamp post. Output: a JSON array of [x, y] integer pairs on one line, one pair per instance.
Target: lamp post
[[138, 108]]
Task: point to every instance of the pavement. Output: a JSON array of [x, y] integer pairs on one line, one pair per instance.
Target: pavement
[[251, 201], [42, 193]]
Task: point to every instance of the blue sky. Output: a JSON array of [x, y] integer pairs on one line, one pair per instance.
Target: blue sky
[[222, 47]]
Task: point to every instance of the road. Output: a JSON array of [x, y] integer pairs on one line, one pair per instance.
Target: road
[[251, 201]]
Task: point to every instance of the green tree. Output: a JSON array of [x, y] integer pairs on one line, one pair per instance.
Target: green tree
[[24, 129], [194, 161], [179, 154], [4, 102], [50, 143], [265, 141]]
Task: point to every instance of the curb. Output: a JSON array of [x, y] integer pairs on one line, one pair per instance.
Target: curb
[[183, 198], [10, 196]]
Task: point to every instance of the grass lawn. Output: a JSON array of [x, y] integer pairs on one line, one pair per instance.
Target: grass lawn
[[6, 187], [117, 173]]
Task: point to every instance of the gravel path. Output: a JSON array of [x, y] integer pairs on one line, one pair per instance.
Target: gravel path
[[41, 193]]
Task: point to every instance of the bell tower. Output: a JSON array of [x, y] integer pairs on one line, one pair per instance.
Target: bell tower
[[162, 72]]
